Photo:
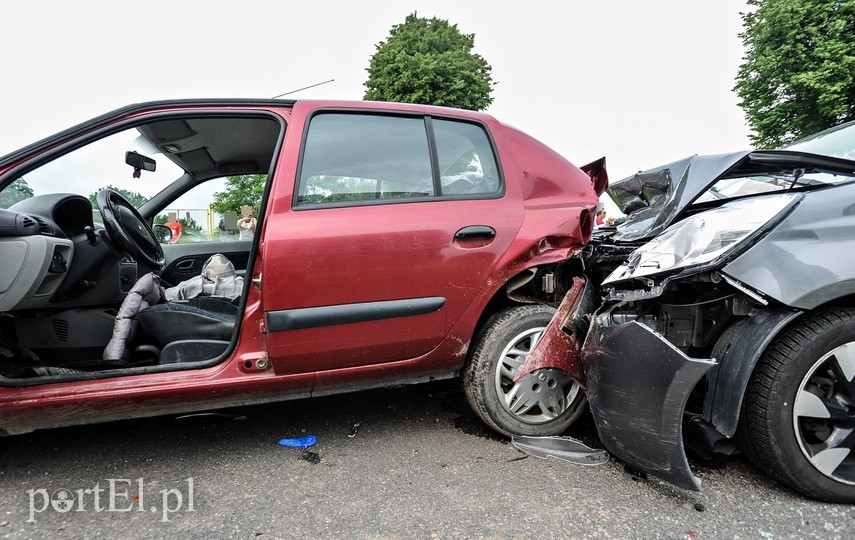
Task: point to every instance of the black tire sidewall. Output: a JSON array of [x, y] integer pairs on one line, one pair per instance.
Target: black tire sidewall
[[802, 346]]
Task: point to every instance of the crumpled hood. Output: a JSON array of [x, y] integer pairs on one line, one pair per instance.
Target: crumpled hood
[[655, 198]]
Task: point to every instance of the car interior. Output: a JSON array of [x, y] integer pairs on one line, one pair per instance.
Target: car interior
[[82, 264]]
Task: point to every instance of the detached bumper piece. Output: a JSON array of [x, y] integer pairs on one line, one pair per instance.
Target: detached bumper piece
[[638, 384]]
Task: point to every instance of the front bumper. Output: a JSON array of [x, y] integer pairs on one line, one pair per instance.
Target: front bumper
[[638, 384]]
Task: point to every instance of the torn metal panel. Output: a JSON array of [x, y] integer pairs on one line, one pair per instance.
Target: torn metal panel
[[654, 199], [599, 177], [560, 346], [638, 385]]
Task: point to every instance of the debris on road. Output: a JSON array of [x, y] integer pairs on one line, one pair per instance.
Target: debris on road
[[561, 447], [312, 457], [211, 415], [299, 442]]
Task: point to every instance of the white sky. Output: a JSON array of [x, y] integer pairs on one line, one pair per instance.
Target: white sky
[[642, 83]]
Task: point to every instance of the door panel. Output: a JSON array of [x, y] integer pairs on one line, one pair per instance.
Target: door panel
[[185, 261], [338, 257], [368, 249]]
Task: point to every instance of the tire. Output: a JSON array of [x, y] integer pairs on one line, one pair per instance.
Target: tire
[[798, 415], [500, 348]]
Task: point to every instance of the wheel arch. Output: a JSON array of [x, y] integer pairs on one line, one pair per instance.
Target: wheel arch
[[737, 352], [517, 290]]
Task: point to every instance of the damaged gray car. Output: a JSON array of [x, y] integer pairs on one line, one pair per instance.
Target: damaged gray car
[[720, 316]]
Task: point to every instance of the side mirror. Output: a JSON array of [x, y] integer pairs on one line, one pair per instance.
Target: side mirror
[[139, 161], [163, 233]]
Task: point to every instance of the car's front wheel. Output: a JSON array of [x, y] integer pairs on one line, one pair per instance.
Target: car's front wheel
[[545, 406], [798, 415]]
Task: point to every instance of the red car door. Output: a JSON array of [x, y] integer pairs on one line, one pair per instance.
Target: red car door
[[395, 224]]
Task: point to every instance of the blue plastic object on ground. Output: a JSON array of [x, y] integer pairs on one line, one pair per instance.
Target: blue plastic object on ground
[[299, 442]]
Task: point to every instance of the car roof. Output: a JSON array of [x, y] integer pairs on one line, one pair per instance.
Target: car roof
[[137, 108]]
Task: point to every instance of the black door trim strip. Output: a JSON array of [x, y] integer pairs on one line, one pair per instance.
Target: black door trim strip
[[316, 317]]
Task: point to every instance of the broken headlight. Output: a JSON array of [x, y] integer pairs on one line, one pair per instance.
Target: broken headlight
[[704, 237]]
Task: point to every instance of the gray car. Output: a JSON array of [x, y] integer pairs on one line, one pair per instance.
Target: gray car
[[721, 316]]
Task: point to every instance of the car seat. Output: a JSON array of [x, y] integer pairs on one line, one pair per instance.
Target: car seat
[[181, 330]]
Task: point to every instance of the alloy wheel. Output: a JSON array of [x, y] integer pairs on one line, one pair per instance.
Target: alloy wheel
[[824, 414], [539, 397]]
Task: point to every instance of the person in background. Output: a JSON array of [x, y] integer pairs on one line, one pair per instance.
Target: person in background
[[246, 224], [601, 216], [175, 227]]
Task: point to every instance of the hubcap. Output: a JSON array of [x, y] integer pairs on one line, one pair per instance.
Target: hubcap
[[824, 414], [539, 397]]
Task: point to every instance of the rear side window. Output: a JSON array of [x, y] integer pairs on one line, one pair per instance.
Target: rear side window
[[466, 160], [365, 158]]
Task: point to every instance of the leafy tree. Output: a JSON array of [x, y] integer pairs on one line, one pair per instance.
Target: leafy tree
[[429, 61], [240, 191], [17, 191], [798, 75], [136, 199]]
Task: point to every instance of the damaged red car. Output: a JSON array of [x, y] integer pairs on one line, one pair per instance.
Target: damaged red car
[[336, 246]]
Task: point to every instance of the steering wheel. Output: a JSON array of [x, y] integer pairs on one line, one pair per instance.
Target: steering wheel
[[127, 229]]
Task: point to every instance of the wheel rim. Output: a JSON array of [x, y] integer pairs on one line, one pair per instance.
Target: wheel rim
[[532, 402], [824, 414]]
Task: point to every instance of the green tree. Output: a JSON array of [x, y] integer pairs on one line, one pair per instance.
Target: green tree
[[798, 74], [242, 190], [17, 191], [136, 199], [429, 61]]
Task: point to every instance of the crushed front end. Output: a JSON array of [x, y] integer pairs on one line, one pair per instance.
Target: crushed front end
[[643, 336]]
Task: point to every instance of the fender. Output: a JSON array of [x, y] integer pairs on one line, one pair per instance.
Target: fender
[[737, 352]]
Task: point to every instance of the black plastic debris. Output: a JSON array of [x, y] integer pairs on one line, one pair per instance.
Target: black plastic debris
[[312, 457], [561, 447]]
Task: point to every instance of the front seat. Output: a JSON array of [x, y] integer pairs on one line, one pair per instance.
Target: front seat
[[189, 330], [195, 322], [203, 317]]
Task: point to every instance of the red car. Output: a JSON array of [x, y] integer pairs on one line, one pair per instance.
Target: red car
[[390, 244]]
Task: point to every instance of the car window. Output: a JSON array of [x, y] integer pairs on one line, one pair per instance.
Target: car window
[[466, 160], [217, 210], [730, 188], [380, 158], [360, 157], [84, 171], [836, 142]]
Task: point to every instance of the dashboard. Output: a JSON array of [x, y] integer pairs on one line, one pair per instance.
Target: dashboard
[[53, 255]]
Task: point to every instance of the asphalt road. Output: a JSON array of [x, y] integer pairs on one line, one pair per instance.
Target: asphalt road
[[420, 465]]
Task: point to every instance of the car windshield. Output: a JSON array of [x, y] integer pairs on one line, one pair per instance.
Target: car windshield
[[838, 142], [86, 170]]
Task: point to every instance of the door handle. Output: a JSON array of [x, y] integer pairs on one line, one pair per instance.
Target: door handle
[[186, 266], [475, 231]]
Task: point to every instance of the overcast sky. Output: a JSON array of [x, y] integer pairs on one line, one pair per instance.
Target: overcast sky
[[642, 83]]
